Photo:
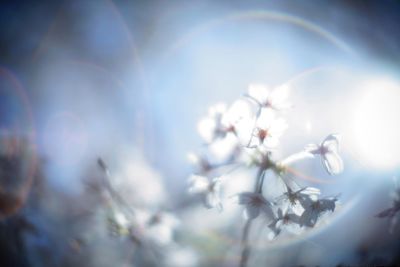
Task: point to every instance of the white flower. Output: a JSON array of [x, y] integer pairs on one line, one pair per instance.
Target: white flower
[[157, 228], [314, 209], [128, 181], [269, 129], [275, 99], [210, 127], [284, 221], [224, 150], [160, 227], [293, 199], [328, 150], [201, 164], [210, 190], [181, 256], [238, 110], [117, 223], [222, 121], [254, 204]]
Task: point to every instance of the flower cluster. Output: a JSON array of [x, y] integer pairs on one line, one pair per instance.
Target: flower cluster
[[151, 231], [247, 134], [141, 225]]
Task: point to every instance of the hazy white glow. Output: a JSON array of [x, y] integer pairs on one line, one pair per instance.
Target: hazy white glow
[[308, 127], [377, 124]]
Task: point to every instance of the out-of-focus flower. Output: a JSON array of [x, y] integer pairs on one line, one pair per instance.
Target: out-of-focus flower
[[328, 150], [314, 209], [275, 99], [284, 221], [225, 149], [137, 182], [210, 190], [211, 127], [392, 213], [239, 119], [160, 228], [181, 257], [157, 228], [146, 227], [200, 163], [255, 203], [118, 224], [268, 130], [221, 122]]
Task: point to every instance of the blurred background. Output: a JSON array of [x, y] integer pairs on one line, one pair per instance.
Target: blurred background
[[127, 81]]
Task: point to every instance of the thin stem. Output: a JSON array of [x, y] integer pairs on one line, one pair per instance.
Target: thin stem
[[111, 190], [258, 113], [216, 167], [122, 202], [246, 248], [261, 183]]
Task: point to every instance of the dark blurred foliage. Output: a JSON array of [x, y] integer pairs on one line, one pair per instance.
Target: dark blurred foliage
[[39, 226], [20, 189]]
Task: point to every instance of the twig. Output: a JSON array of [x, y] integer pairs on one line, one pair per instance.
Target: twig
[[151, 254], [246, 248], [114, 194]]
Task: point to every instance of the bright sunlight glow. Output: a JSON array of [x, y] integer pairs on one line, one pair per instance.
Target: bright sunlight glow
[[377, 124]]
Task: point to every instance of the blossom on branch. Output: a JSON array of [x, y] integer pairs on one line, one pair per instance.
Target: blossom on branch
[[210, 127], [248, 134], [328, 150], [285, 221], [255, 203], [268, 130], [275, 99], [209, 190], [314, 209], [294, 200]]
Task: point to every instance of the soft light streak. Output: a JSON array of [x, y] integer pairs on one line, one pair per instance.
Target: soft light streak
[[261, 15]]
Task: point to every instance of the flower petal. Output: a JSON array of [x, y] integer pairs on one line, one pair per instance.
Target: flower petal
[[251, 211], [265, 119], [266, 208], [327, 204], [309, 218], [258, 92], [332, 162], [198, 184], [278, 127], [213, 201], [206, 128], [278, 97], [331, 143], [297, 208], [270, 142]]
